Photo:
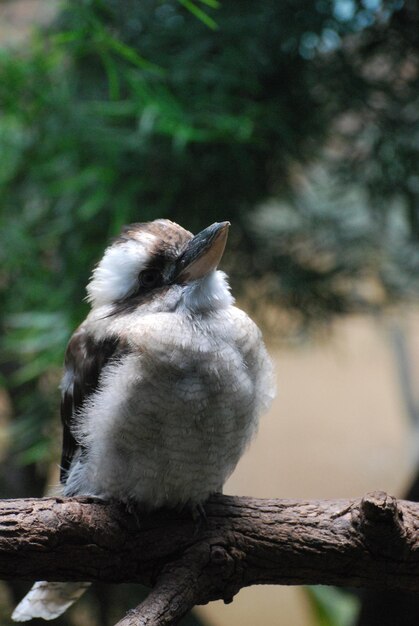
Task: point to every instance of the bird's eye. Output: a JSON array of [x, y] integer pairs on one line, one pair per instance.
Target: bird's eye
[[149, 278]]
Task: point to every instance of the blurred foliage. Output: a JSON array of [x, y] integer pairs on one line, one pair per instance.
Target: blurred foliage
[[295, 120], [331, 606]]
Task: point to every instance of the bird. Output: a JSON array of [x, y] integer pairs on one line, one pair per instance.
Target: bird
[[164, 382]]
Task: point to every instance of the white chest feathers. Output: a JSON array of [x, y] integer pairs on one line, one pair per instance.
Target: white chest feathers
[[172, 417]]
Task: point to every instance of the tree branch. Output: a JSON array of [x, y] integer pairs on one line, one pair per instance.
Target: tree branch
[[371, 542], [175, 592]]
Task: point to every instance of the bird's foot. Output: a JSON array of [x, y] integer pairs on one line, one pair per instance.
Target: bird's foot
[[199, 517], [135, 509]]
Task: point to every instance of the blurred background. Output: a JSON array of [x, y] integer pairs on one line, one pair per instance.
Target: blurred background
[[296, 120]]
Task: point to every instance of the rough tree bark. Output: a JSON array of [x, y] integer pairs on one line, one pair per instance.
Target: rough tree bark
[[370, 542]]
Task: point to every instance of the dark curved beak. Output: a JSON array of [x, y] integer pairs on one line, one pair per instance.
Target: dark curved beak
[[203, 253]]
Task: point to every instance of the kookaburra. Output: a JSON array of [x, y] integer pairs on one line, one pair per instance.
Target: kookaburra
[[163, 385]]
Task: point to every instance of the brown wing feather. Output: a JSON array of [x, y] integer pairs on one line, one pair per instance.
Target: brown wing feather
[[84, 360]]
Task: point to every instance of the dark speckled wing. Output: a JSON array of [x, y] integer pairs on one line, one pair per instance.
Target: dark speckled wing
[[84, 361]]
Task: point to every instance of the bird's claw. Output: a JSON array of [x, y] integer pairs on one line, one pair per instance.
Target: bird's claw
[[134, 508], [199, 517]]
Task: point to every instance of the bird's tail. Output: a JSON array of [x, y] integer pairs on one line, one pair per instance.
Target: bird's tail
[[48, 600]]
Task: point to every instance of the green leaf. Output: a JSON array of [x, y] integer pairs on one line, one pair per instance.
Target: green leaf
[[332, 606], [128, 53], [112, 75], [67, 37], [200, 14], [214, 4]]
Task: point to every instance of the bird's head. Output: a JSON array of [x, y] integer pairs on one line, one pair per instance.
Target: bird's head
[[160, 266]]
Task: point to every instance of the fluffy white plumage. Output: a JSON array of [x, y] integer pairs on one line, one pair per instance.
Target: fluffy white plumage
[[48, 600], [183, 379], [173, 417], [116, 276]]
